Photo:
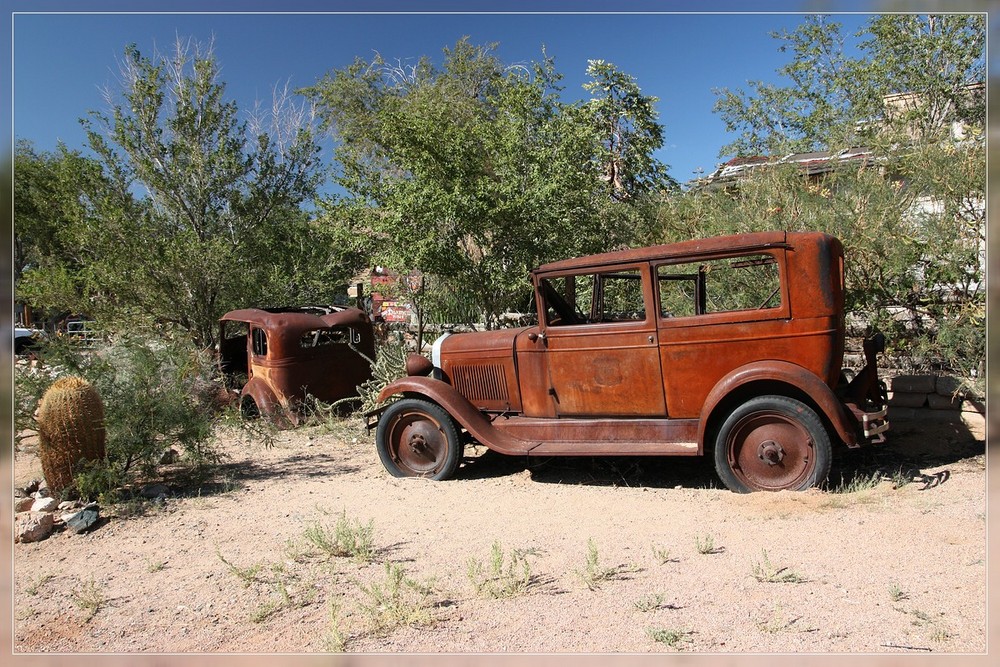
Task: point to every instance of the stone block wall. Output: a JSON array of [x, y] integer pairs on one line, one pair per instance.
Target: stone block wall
[[930, 396]]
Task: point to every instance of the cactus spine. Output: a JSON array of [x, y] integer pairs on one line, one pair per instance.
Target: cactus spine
[[70, 430]]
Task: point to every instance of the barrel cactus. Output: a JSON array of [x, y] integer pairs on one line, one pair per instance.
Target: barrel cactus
[[70, 430]]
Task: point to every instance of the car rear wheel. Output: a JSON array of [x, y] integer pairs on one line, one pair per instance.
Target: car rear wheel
[[772, 443], [417, 438]]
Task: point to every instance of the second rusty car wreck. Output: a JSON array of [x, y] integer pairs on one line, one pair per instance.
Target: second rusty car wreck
[[729, 346], [276, 357]]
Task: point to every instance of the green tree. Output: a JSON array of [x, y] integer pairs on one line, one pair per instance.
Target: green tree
[[474, 172], [933, 64], [913, 218], [199, 212], [50, 206], [626, 123]]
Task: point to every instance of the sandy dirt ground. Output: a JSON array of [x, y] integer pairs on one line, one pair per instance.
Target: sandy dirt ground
[[622, 556]]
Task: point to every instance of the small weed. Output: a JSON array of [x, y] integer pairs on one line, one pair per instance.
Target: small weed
[[776, 623], [649, 603], [593, 574], [245, 574], [155, 565], [229, 484], [663, 555], [334, 641], [347, 538], [940, 635], [858, 483], [266, 611], [27, 614], [89, 598], [768, 573], [897, 594], [900, 479], [706, 545], [36, 585], [398, 601], [922, 618], [669, 636], [504, 577]]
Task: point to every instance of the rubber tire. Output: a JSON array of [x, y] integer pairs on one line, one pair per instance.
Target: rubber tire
[[785, 416], [435, 422]]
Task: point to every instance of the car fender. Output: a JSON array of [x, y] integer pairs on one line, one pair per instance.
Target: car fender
[[786, 373], [460, 409], [268, 403]]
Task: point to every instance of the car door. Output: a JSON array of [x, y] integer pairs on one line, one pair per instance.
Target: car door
[[600, 346]]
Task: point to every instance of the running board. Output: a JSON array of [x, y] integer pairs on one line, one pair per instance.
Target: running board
[[603, 437]]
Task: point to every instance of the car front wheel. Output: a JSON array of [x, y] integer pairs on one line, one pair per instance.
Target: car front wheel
[[772, 443], [417, 438]]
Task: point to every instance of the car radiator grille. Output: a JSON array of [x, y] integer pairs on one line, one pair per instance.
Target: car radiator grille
[[480, 383]]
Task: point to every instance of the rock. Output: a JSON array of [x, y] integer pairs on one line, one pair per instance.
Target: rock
[[170, 456], [152, 491], [939, 402], [84, 519], [23, 504], [33, 526], [67, 505], [44, 505], [914, 384], [948, 386], [900, 399], [43, 492]]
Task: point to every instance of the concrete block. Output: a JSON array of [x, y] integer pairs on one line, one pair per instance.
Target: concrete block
[[913, 384], [947, 385], [907, 400], [939, 402]]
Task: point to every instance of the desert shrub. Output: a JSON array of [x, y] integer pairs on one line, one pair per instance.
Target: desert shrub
[[389, 364], [914, 237], [158, 391]]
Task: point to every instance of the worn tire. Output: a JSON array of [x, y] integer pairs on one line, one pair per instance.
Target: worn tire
[[772, 443], [417, 438]]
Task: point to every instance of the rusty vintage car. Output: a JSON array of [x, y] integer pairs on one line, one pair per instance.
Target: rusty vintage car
[[276, 357], [730, 347]]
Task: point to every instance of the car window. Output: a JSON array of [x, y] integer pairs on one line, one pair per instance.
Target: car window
[[751, 282], [324, 337], [588, 298], [621, 297], [259, 342], [568, 299]]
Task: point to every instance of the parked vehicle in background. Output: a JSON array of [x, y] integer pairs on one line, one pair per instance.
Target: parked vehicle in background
[[730, 347], [25, 339], [276, 357]]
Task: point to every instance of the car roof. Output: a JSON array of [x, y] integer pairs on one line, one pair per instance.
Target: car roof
[[694, 247], [301, 319]]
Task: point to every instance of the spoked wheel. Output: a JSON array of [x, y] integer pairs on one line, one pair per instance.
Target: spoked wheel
[[772, 443], [417, 438]]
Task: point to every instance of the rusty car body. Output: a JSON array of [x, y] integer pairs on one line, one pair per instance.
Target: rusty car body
[[276, 357], [728, 346]]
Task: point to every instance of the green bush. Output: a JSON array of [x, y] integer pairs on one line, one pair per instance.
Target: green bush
[[913, 231], [158, 392]]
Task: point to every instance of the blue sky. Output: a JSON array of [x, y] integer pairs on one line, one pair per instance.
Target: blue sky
[[62, 60]]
